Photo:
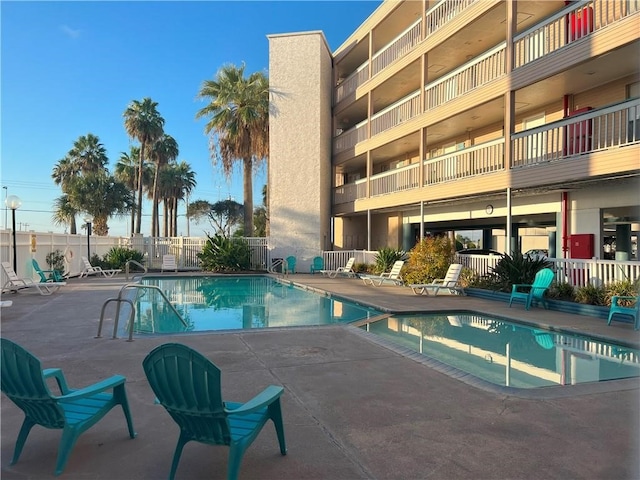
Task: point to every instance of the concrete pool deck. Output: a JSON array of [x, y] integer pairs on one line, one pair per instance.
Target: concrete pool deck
[[352, 408]]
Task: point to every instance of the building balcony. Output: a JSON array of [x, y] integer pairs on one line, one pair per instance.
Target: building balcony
[[604, 129]]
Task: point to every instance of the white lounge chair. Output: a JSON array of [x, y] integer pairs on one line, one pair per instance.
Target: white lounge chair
[[91, 270], [449, 282], [15, 283], [169, 263], [346, 270], [392, 277]]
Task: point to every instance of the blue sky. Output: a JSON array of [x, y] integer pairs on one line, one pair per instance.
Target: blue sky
[[72, 68]]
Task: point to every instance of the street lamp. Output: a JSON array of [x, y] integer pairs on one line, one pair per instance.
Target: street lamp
[[6, 210], [13, 202], [88, 225]]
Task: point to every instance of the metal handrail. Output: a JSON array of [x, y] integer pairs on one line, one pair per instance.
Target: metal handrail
[[119, 299], [126, 267]]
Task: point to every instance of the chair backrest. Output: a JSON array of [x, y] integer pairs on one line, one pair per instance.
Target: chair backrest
[[87, 264], [395, 270], [291, 263], [169, 262], [349, 265], [23, 382], [318, 263], [541, 282], [38, 270], [187, 385], [452, 275], [10, 272]]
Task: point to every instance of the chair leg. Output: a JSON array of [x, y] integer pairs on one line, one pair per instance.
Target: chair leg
[[27, 425], [67, 442], [236, 452], [176, 456], [275, 413], [120, 395]]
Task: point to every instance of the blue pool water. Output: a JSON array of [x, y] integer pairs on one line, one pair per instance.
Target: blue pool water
[[236, 302], [508, 354]]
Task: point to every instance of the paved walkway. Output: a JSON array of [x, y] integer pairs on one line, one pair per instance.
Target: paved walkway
[[353, 409]]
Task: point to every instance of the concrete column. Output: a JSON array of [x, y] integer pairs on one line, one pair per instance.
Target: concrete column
[[623, 242]]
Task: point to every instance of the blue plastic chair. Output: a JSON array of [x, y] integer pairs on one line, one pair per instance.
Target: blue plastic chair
[[47, 275], [74, 411], [291, 264], [625, 310], [535, 291], [317, 264], [187, 384]]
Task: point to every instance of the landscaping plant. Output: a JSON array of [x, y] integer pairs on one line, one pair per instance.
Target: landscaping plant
[[55, 260], [386, 257], [515, 269], [117, 257], [428, 260], [222, 254]]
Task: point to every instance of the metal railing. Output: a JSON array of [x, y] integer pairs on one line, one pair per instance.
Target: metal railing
[[443, 12], [398, 47], [397, 113]]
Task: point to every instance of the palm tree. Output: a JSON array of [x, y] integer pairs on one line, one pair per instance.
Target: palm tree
[[126, 171], [65, 213], [176, 181], [143, 123], [238, 125], [63, 173], [163, 151]]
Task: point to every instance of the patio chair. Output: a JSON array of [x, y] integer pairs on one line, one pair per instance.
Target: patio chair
[[169, 263], [15, 283], [73, 411], [187, 385], [449, 282], [534, 292], [316, 265], [346, 270], [46, 275], [393, 276], [290, 265], [91, 270], [629, 309]]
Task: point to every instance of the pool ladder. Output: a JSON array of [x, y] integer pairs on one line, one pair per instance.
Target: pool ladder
[[129, 262], [132, 315]]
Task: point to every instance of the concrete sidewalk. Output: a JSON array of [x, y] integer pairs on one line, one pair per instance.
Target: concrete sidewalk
[[352, 408]]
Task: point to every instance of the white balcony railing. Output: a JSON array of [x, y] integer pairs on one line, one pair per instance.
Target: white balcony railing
[[351, 137], [443, 12], [478, 72], [405, 178], [350, 84], [398, 47], [614, 126], [401, 111], [569, 25]]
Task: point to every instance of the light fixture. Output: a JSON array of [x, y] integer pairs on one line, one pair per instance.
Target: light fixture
[[87, 221], [13, 202]]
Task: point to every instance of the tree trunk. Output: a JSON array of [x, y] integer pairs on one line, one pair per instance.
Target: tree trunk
[[155, 227], [247, 175], [139, 207]]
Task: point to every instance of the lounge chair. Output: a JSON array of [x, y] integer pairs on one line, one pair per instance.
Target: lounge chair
[[628, 310], [346, 270], [187, 385], [91, 270], [74, 411], [47, 275], [169, 263], [316, 265], [15, 283], [393, 277], [534, 292], [449, 282], [290, 265]]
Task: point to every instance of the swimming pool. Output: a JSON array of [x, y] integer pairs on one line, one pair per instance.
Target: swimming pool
[[211, 303], [508, 354]]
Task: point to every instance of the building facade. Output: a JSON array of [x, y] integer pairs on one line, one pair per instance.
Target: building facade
[[518, 119]]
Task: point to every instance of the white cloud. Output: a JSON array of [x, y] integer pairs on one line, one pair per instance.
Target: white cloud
[[70, 32]]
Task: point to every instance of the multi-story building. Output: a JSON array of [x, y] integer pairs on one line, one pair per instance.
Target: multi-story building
[[519, 118]]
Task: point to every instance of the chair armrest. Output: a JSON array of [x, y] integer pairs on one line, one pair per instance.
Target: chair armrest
[[91, 390], [437, 281], [263, 399], [59, 376], [516, 286]]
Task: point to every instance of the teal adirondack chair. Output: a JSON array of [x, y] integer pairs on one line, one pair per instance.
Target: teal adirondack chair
[[534, 292], [187, 385], [317, 264], [74, 411], [291, 264], [47, 275], [632, 311]]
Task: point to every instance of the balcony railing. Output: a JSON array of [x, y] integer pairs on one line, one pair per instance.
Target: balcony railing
[[398, 47], [480, 71], [443, 12], [351, 137], [395, 114], [568, 25], [405, 178], [614, 126], [353, 81]]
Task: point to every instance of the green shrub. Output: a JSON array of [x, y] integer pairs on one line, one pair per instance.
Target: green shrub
[[622, 288], [222, 254], [515, 269], [362, 268], [117, 257], [55, 260], [591, 294], [386, 257], [428, 260], [561, 291]]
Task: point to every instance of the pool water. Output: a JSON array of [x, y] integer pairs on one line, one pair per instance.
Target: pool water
[[234, 303], [508, 354]]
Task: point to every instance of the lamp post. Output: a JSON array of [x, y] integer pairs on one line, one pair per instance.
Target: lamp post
[[6, 210], [88, 225], [13, 202]]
